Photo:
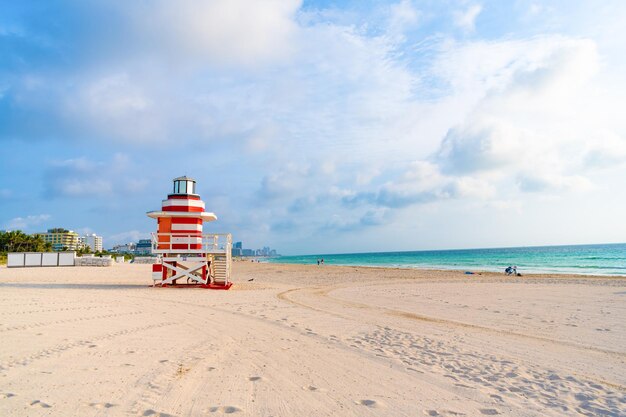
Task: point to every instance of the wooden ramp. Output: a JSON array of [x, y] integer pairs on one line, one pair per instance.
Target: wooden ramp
[[221, 271]]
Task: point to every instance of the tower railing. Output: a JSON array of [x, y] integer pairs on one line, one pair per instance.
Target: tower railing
[[186, 243]]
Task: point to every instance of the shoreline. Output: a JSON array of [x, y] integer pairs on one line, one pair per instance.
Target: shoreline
[[462, 271], [598, 259]]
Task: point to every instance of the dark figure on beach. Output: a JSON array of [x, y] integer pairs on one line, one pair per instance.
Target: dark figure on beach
[[318, 262], [322, 261], [512, 270]]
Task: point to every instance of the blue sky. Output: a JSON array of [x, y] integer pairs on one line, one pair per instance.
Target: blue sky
[[318, 126]]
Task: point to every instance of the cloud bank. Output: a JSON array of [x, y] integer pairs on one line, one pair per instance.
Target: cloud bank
[[308, 120]]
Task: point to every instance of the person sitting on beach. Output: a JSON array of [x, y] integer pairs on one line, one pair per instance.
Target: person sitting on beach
[[509, 270]]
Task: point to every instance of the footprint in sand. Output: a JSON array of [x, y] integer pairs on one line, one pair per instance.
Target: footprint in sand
[[6, 395], [101, 405], [226, 409], [151, 413], [369, 403], [255, 378], [489, 411], [38, 403], [442, 413]]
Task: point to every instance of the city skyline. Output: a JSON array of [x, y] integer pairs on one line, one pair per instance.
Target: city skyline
[[316, 126], [74, 241]]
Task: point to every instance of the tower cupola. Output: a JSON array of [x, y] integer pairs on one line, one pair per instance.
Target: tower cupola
[[184, 185]]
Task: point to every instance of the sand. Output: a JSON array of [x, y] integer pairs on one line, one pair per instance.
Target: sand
[[310, 341]]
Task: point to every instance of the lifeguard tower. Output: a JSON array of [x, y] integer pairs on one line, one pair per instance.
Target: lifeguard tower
[[183, 251]]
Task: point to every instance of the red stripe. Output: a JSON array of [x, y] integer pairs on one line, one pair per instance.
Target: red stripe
[[186, 246], [184, 220], [183, 197], [183, 209]]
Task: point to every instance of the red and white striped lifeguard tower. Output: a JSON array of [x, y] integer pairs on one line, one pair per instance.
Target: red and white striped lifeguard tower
[[183, 251]]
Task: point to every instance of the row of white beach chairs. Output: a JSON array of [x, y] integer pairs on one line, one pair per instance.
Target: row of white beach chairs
[[144, 260], [93, 261]]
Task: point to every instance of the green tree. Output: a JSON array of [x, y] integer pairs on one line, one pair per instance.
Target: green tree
[[18, 241]]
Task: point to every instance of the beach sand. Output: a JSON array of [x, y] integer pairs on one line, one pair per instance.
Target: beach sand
[[311, 341]]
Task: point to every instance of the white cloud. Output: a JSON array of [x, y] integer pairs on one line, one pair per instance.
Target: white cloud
[[466, 19], [519, 133], [125, 237], [526, 124], [480, 146], [513, 120], [402, 15], [605, 149], [473, 188], [25, 223], [82, 177], [549, 182], [221, 32]]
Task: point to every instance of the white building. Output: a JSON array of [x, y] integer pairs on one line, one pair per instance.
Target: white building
[[93, 241], [126, 248]]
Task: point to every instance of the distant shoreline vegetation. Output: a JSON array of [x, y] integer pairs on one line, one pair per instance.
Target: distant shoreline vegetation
[[596, 259], [18, 241]]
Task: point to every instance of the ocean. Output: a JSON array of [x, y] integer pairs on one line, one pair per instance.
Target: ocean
[[605, 259]]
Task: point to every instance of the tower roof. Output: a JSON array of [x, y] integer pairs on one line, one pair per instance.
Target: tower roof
[[184, 178]]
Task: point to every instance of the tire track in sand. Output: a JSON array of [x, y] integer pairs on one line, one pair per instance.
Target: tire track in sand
[[324, 293]]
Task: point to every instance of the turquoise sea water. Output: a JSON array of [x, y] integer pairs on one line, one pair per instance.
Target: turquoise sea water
[[609, 259]]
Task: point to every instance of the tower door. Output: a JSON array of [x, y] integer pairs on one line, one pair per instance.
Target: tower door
[[165, 226]]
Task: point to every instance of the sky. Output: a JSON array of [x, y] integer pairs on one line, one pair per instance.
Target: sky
[[318, 126]]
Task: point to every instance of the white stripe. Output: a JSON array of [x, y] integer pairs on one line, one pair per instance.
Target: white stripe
[[187, 227], [183, 203], [186, 240]]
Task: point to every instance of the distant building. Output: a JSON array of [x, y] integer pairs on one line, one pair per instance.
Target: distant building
[[143, 247], [92, 241], [125, 248], [61, 239], [238, 250]]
